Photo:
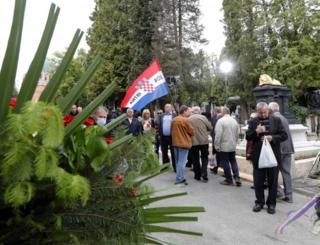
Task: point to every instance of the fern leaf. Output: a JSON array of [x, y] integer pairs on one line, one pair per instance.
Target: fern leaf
[[53, 131], [17, 164], [72, 187], [46, 163], [18, 194]]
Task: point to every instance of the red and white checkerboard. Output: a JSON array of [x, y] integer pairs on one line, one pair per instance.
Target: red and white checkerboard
[[147, 87]]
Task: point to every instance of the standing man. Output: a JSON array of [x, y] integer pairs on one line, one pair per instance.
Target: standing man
[[165, 135], [287, 150], [134, 126], [226, 138], [271, 128], [182, 131], [200, 143], [217, 114]]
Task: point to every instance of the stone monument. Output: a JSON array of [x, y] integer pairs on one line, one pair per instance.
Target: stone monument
[[270, 90]]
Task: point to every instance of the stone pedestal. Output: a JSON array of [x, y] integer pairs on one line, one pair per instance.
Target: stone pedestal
[[304, 156], [275, 93], [305, 151]]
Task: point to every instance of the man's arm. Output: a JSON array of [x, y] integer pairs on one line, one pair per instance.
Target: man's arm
[[251, 133], [281, 134], [218, 135]]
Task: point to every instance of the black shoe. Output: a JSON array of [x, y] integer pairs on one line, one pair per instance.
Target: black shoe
[[287, 199], [257, 208], [238, 181], [181, 182], [197, 178], [205, 179], [271, 209], [226, 182]]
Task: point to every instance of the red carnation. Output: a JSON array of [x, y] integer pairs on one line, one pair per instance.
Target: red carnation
[[68, 119], [89, 122], [13, 102], [108, 140], [117, 179]]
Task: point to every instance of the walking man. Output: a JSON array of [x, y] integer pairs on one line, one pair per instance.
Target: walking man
[[226, 138], [182, 131], [271, 128], [287, 150], [165, 135], [200, 143]]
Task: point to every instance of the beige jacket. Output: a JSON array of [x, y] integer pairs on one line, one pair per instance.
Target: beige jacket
[[226, 134], [181, 132], [202, 129]]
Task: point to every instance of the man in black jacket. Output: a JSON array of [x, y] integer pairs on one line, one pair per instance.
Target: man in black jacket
[[271, 128], [134, 126]]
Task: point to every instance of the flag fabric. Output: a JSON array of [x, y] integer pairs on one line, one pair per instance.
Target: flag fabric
[[149, 86], [296, 215]]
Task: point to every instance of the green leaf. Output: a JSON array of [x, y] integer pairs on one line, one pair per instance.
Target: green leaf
[[154, 228], [53, 131], [124, 139], [72, 187], [11, 57], [172, 210], [54, 83], [150, 200], [114, 123], [81, 117], [151, 219], [32, 77], [46, 163], [66, 102], [18, 194]]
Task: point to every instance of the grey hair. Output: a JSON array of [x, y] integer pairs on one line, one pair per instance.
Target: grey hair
[[274, 106], [261, 105], [130, 109], [225, 110], [99, 109], [217, 109], [196, 110]]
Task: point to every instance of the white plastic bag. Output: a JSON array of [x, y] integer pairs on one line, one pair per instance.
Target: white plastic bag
[[267, 158]]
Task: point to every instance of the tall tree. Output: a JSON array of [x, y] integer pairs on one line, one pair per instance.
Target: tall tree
[[121, 34]]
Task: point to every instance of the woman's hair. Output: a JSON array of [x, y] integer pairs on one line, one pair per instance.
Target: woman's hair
[[144, 112]]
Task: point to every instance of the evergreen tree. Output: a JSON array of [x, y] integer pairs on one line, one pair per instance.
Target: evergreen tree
[[121, 34]]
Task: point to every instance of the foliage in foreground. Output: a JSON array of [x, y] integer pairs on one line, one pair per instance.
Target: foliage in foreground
[[66, 185]]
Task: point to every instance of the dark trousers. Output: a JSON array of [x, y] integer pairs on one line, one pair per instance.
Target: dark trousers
[[227, 159], [197, 152], [166, 143], [157, 144], [259, 177]]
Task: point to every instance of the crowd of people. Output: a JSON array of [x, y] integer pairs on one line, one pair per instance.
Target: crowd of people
[[184, 139]]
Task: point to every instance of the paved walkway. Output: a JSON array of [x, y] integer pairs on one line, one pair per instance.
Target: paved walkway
[[229, 219]]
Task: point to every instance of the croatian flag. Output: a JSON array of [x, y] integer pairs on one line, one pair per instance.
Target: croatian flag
[[150, 85]]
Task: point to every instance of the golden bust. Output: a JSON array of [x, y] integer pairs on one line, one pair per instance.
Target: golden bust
[[266, 79]]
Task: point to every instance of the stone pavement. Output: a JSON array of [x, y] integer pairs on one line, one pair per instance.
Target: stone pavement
[[229, 219]]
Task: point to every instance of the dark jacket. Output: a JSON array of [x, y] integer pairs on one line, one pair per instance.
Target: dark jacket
[[135, 127], [161, 123], [276, 130], [287, 145]]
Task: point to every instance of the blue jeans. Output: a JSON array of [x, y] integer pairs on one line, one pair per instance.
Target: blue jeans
[[227, 159], [181, 156]]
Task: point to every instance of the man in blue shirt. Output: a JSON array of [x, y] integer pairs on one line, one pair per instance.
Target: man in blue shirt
[[165, 135]]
